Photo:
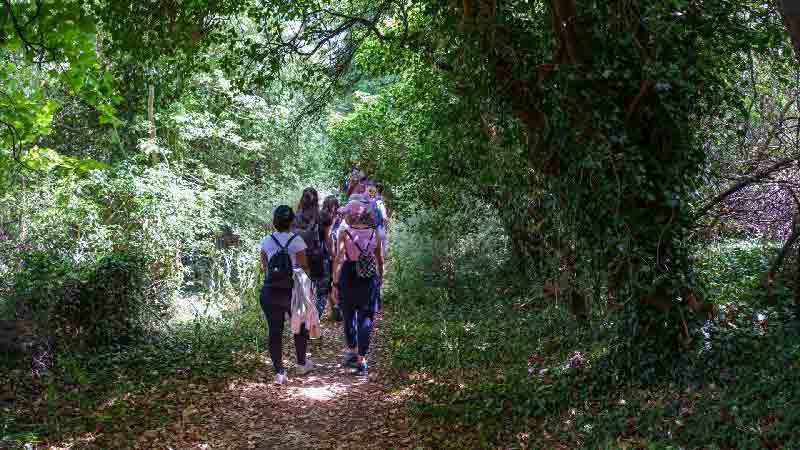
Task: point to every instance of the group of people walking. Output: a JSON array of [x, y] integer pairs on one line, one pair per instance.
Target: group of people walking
[[341, 248]]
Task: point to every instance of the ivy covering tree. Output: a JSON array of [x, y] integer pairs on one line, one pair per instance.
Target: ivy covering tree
[[575, 120]]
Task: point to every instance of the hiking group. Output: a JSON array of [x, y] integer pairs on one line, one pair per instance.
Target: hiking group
[[319, 255]]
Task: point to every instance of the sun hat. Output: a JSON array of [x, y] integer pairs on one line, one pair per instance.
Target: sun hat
[[358, 211]]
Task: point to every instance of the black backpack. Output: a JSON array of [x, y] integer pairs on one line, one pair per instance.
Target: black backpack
[[308, 229], [280, 272]]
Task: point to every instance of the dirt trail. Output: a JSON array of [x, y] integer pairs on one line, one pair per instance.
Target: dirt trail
[[329, 408]]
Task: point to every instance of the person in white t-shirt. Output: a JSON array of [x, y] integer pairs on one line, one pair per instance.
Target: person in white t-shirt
[[276, 298]]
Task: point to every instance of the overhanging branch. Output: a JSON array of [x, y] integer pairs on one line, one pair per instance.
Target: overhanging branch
[[779, 165]]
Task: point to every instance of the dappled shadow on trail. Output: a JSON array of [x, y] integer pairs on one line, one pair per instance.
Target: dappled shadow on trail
[[241, 408], [329, 408]]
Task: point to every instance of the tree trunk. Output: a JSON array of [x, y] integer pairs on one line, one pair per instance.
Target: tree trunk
[[791, 16], [797, 278], [22, 238], [777, 263], [98, 47], [151, 117]]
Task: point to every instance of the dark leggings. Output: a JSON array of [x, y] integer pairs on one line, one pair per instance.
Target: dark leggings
[[275, 322], [357, 327]]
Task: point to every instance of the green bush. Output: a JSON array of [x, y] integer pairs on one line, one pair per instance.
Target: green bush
[[449, 251], [734, 270], [135, 231], [497, 367]]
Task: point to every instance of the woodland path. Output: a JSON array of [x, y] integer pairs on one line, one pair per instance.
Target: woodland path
[[329, 408]]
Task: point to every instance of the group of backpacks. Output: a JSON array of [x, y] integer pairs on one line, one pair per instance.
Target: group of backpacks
[[307, 226]]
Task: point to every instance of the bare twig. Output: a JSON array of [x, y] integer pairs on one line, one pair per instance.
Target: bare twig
[[778, 166]]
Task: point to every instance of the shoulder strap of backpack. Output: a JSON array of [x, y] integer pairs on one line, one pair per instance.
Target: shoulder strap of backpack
[[280, 247], [347, 232], [353, 240], [371, 236]]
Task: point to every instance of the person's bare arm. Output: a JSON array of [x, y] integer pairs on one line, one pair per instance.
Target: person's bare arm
[[263, 261], [302, 261], [337, 267], [379, 257], [328, 241]]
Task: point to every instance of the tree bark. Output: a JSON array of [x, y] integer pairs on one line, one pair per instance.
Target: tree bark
[[151, 117], [797, 278], [572, 42], [791, 16], [22, 238], [778, 261], [98, 47]]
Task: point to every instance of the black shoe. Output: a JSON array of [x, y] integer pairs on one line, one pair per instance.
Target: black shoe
[[350, 360], [363, 370]]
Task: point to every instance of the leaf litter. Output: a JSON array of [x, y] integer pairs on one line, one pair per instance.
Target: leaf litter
[[329, 408]]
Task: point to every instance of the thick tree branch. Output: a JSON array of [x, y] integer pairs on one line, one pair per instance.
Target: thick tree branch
[[782, 164], [572, 44], [778, 166], [371, 24]]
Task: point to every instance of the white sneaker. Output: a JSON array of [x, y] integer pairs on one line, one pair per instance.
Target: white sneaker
[[281, 378], [302, 370]]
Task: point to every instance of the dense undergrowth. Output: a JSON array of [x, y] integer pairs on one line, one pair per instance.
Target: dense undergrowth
[[135, 374], [500, 365], [183, 320], [121, 287], [125, 392]]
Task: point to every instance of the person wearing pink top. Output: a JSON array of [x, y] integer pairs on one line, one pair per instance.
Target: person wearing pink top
[[355, 293], [356, 182]]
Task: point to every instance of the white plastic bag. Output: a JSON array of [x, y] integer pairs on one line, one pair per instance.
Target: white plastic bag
[[304, 309]]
